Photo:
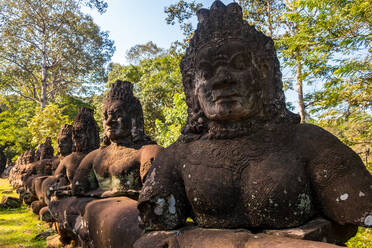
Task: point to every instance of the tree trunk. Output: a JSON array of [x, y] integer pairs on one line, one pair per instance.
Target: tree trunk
[[269, 19], [43, 78], [301, 105]]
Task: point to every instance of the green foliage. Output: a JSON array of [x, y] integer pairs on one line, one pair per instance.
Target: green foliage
[[69, 105], [175, 117], [15, 113], [49, 48], [46, 123], [140, 52], [363, 239], [100, 5], [158, 86], [182, 12]]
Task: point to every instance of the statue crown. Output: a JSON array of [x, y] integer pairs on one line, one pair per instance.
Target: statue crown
[[66, 129], [84, 115], [120, 90], [220, 22]]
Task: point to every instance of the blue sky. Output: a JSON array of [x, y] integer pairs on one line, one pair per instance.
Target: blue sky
[[132, 22]]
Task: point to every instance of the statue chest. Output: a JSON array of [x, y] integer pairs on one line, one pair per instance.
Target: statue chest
[[238, 183], [118, 171]]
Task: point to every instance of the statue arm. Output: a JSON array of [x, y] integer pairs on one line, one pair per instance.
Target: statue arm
[[61, 169], [340, 181], [162, 202], [148, 154], [84, 179]]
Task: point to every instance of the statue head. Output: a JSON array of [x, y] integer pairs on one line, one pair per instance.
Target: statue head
[[123, 116], [64, 140], [46, 149], [231, 75], [85, 135], [28, 157]]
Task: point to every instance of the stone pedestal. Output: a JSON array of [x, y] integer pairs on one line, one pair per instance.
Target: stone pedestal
[[10, 202], [318, 229], [194, 237]]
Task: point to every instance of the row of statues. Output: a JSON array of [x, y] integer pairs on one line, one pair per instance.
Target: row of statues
[[243, 173]]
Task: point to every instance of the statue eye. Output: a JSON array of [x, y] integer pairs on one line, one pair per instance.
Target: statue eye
[[205, 70], [239, 62]]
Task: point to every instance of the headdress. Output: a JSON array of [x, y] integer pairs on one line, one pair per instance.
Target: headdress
[[66, 129], [46, 149], [85, 119], [217, 26]]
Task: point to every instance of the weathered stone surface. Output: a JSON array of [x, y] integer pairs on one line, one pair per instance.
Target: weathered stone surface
[[55, 189], [113, 171], [54, 242], [10, 202], [116, 165], [221, 238], [67, 212], [27, 197], [20, 168], [65, 146], [45, 215], [112, 222], [318, 229], [36, 206], [243, 159], [44, 235]]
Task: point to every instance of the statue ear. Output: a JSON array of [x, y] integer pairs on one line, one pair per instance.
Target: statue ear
[[134, 130]]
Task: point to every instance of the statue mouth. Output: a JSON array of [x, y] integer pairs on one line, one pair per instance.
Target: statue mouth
[[227, 98]]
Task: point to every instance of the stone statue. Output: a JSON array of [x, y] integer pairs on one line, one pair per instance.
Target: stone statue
[[85, 138], [243, 160], [41, 166], [44, 165], [15, 175], [116, 169], [64, 141], [57, 189]]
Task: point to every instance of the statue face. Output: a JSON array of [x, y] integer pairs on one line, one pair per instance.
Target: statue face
[[117, 122], [64, 144], [79, 136], [225, 83]]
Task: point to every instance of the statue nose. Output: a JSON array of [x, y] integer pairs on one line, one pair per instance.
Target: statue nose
[[223, 78], [110, 119]]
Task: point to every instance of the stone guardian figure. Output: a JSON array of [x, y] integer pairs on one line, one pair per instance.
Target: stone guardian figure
[[243, 160]]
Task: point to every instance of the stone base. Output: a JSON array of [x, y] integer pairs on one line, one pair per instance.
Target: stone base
[[194, 237], [36, 206], [10, 202], [318, 229], [45, 215]]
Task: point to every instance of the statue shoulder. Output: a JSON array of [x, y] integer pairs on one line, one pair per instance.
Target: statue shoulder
[[314, 139]]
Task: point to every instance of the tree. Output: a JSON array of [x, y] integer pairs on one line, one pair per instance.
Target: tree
[[182, 12], [46, 123], [49, 48], [15, 113], [140, 52], [100, 5]]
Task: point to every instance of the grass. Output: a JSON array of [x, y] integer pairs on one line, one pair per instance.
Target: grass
[[18, 227], [363, 239]]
